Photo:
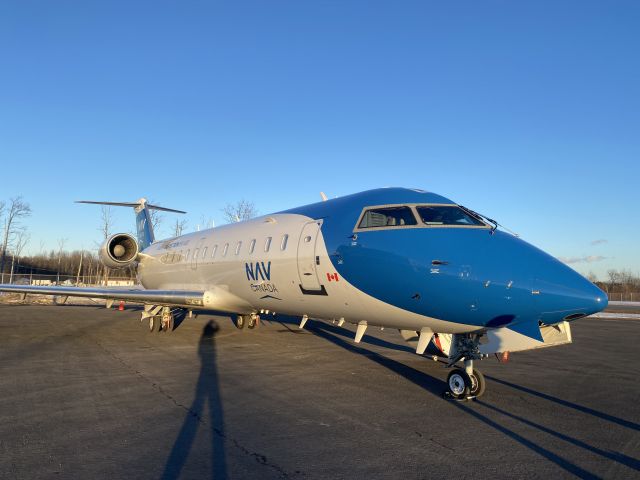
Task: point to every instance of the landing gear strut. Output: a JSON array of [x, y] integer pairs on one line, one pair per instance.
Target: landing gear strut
[[153, 323], [253, 320], [167, 320], [465, 383]]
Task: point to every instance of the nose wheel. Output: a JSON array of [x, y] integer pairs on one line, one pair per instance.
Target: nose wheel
[[464, 386]]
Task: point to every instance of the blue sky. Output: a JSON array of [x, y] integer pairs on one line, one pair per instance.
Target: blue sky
[[526, 111]]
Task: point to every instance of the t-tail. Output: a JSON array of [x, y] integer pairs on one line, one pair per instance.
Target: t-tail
[[144, 225]]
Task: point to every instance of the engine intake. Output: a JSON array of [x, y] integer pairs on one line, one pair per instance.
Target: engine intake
[[119, 250]]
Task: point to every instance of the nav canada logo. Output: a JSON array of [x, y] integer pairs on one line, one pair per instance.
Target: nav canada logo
[[259, 274]]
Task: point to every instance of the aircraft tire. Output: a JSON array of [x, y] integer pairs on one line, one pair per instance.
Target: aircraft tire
[[253, 320], [458, 383], [478, 384], [240, 322]]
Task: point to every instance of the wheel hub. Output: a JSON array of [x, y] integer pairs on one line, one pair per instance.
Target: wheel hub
[[456, 384]]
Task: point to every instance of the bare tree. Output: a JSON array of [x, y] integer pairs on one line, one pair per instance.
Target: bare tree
[[106, 222], [18, 209], [179, 227], [156, 217], [239, 211], [61, 242], [205, 223], [20, 241]]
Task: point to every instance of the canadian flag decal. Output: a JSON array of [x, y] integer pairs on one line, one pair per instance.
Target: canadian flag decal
[[332, 276]]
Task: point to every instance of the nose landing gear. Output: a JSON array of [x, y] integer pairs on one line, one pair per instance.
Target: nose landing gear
[[465, 383]]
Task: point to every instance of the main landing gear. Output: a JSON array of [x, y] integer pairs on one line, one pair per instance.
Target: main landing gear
[[465, 383], [251, 321], [161, 319]]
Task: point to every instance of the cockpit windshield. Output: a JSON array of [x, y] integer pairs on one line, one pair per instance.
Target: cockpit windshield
[[387, 217], [447, 215]]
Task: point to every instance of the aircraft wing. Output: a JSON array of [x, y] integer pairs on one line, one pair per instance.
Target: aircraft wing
[[152, 297]]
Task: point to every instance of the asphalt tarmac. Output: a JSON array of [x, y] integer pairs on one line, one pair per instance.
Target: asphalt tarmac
[[88, 392]]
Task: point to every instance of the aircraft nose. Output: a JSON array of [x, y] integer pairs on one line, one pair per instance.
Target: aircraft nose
[[561, 293]]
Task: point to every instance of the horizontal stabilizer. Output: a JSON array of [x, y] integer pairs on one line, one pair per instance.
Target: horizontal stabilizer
[[142, 209], [132, 205]]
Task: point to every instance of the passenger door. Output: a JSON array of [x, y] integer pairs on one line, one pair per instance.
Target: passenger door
[[307, 259]]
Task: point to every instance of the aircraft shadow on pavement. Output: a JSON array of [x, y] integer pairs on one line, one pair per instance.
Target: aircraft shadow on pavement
[[286, 320], [207, 393], [437, 387]]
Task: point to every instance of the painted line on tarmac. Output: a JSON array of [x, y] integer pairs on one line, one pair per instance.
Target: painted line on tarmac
[[615, 316]]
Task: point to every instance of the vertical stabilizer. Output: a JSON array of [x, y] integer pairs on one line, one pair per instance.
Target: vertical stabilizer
[[144, 225]]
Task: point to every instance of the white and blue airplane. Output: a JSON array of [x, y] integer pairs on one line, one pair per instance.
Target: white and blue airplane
[[445, 276]]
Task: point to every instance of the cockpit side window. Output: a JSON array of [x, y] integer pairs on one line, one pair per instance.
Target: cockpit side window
[[452, 215], [387, 217]]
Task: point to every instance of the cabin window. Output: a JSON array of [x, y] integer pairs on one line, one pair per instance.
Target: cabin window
[[252, 246], [438, 215], [224, 250], [267, 244], [204, 252], [238, 247], [285, 239], [387, 217]]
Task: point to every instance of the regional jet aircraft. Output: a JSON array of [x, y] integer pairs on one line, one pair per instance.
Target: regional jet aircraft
[[447, 277]]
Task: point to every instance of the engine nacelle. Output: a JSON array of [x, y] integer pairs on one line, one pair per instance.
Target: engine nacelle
[[119, 251]]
